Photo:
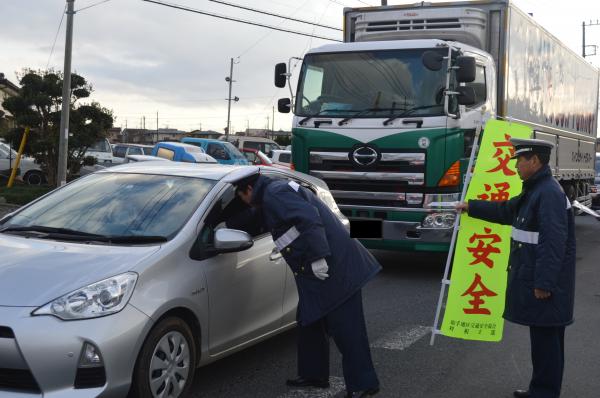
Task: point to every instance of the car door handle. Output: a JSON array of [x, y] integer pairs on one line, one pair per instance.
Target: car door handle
[[275, 255]]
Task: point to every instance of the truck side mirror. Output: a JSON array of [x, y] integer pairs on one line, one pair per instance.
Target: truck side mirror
[[432, 60], [284, 105], [280, 75], [466, 95], [465, 72]]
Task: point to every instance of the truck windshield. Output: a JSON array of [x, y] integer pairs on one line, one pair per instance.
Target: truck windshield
[[385, 82]]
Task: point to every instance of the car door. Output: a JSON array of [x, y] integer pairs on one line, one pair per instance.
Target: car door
[[245, 289]]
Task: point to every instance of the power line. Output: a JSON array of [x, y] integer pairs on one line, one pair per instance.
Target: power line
[[238, 20], [273, 14], [56, 37], [93, 5]]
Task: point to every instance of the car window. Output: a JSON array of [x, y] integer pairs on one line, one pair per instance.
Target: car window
[[251, 156], [285, 157], [119, 204], [135, 151], [233, 151], [120, 151], [252, 145], [165, 153], [217, 151], [147, 150]]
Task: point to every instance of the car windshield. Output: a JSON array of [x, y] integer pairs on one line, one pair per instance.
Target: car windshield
[[382, 82], [235, 153], [147, 150], [101, 146], [118, 204]]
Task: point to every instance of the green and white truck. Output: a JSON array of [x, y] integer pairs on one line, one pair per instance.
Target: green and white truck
[[388, 117]]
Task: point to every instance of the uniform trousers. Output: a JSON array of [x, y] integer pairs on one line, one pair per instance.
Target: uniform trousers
[[346, 325], [548, 359]]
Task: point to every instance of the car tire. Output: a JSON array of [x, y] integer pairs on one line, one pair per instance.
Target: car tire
[[170, 350], [34, 178]]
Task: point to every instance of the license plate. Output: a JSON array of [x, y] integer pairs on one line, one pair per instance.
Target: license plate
[[366, 229]]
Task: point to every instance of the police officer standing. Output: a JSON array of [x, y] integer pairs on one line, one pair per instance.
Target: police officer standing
[[330, 270], [541, 280]]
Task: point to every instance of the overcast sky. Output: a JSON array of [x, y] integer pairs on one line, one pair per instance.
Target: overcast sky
[[144, 58]]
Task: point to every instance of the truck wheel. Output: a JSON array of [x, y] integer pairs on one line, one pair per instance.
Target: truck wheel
[[34, 178], [166, 363]]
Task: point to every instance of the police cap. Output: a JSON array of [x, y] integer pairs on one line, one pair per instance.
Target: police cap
[[524, 146]]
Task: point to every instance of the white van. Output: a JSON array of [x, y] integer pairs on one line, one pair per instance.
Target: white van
[[264, 145]]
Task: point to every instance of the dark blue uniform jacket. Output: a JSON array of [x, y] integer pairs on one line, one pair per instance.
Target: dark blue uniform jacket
[[306, 230], [542, 252]]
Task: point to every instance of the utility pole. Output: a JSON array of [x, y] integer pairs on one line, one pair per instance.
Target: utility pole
[[229, 79], [273, 123], [583, 45], [61, 175], [157, 127], [384, 2]]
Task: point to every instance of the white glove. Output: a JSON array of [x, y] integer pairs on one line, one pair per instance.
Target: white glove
[[320, 268]]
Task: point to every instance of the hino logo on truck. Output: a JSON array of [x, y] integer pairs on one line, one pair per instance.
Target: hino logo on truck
[[364, 156]]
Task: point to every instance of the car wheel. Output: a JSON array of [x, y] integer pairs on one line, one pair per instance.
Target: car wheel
[[34, 178], [167, 361]]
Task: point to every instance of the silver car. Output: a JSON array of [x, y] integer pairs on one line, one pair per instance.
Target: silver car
[[128, 279]]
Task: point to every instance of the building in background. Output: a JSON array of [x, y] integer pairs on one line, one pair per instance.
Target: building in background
[[7, 89], [210, 134]]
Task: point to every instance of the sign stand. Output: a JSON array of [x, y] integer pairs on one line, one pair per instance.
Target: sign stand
[[445, 281]]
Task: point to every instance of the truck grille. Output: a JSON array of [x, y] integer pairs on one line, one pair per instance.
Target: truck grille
[[396, 179]]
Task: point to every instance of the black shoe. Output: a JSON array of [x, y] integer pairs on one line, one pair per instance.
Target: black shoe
[[362, 394], [522, 394], [302, 382]]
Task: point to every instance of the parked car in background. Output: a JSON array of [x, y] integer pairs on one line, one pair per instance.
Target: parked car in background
[[143, 158], [120, 151], [223, 152], [29, 171], [127, 267], [257, 158], [102, 152], [282, 157], [180, 152], [264, 145]]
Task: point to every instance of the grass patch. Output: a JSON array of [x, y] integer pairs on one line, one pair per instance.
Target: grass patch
[[21, 194]]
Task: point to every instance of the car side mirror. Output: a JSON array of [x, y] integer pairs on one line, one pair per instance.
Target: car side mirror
[[284, 105], [280, 75], [432, 60], [466, 95], [465, 69], [232, 240]]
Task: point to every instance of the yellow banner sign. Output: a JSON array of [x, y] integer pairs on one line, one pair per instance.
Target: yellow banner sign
[[479, 270]]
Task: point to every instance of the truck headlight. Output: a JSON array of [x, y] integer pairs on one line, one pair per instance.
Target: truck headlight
[[439, 220], [102, 298]]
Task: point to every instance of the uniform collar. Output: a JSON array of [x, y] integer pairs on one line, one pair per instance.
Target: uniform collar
[[541, 174]]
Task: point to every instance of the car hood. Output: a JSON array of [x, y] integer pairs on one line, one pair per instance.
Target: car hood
[[34, 272]]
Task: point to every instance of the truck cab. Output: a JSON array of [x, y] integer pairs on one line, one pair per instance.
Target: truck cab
[[388, 117]]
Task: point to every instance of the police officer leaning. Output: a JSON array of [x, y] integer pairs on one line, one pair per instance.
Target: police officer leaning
[[330, 270], [541, 280]]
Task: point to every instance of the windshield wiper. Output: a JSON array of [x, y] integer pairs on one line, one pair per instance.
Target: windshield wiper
[[363, 112], [408, 112], [48, 230], [80, 236], [322, 111]]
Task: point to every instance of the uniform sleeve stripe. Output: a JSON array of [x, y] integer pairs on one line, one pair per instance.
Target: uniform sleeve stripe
[[287, 238], [530, 237], [568, 204], [295, 186]]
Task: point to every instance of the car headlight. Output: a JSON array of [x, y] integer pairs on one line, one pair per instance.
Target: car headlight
[[102, 298]]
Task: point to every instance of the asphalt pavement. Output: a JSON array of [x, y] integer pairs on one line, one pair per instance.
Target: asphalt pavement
[[399, 307]]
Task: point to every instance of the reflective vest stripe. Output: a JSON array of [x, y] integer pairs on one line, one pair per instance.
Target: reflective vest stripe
[[530, 237], [295, 186], [287, 238]]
